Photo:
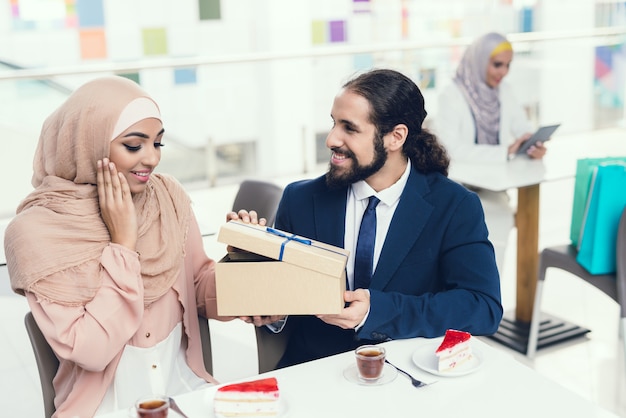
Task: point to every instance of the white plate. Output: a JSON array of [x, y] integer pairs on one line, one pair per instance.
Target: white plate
[[424, 358], [351, 374], [283, 408], [132, 413]]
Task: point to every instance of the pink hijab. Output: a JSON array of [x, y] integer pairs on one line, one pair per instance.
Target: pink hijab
[[471, 77], [58, 226]]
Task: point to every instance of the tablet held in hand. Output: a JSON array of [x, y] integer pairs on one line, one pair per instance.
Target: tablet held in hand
[[543, 134]]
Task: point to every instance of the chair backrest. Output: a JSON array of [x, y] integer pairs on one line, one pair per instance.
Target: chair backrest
[[621, 264], [270, 347], [205, 338], [47, 362], [261, 196]]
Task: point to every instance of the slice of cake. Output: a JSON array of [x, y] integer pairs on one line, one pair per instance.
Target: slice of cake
[[258, 398], [454, 350]]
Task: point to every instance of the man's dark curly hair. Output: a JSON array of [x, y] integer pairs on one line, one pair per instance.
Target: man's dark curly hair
[[395, 99]]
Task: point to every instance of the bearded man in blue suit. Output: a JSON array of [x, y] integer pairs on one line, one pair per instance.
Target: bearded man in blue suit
[[433, 265]]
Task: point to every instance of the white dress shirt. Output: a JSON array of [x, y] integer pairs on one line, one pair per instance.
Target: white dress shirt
[[358, 198]]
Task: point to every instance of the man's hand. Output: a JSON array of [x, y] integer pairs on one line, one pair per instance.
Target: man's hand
[[352, 315], [259, 321]]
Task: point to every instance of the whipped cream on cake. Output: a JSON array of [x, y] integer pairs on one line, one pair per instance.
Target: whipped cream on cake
[[454, 351], [258, 398]]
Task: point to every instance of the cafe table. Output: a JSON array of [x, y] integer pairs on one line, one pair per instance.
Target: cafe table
[[527, 175], [494, 385]]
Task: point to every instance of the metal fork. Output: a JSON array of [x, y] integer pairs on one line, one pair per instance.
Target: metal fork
[[176, 408], [415, 382]]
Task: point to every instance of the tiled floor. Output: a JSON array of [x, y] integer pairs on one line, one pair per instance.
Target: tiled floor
[[593, 367]]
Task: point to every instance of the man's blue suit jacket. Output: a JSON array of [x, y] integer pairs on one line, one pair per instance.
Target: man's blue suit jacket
[[436, 271]]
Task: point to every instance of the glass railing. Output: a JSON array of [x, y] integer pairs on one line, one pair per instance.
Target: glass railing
[[267, 114]]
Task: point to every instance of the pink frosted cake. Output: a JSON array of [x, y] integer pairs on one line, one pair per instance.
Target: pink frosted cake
[[454, 350], [258, 398]]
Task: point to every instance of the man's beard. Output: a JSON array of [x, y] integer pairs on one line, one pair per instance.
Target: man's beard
[[335, 179]]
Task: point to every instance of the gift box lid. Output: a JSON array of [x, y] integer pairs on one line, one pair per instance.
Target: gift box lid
[[285, 247]]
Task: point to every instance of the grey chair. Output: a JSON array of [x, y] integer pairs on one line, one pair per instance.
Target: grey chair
[[261, 196], [48, 363], [205, 338], [270, 347], [564, 258]]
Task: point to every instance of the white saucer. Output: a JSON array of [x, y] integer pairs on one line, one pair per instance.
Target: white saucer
[[283, 408], [424, 358], [388, 375], [132, 413]]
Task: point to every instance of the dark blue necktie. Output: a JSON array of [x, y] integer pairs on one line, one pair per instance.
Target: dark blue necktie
[[364, 256]]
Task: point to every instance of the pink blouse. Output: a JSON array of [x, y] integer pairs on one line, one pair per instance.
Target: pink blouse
[[89, 339]]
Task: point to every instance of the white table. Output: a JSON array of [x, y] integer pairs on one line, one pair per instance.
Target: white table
[[501, 387], [526, 176], [3, 226]]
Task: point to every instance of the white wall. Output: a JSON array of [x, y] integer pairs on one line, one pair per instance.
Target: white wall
[[282, 105], [566, 82]]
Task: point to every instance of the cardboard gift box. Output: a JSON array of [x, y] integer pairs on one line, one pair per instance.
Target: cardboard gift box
[[278, 274]]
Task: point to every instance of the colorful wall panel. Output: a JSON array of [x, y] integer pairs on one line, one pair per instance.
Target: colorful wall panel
[[42, 14], [328, 31], [609, 82], [210, 9], [90, 13], [361, 6], [154, 41], [337, 29], [93, 43], [318, 32], [185, 76]]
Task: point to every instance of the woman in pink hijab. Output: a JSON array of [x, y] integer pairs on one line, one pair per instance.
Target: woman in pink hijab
[[109, 254], [480, 120]]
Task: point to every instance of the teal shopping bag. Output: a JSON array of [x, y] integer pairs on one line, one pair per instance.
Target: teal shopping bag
[[606, 202], [584, 171]]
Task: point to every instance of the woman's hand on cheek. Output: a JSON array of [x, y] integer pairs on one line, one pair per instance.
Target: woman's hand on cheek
[[116, 205]]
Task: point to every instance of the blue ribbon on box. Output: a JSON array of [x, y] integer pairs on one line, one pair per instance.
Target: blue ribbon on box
[[293, 237]]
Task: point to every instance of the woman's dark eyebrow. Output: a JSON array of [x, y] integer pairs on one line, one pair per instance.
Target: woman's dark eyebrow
[[139, 134], [142, 135]]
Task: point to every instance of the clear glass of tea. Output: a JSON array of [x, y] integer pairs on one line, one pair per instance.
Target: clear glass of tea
[[370, 360], [152, 406]]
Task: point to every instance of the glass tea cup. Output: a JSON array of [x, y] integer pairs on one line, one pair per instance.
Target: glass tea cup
[[370, 360], [152, 406]]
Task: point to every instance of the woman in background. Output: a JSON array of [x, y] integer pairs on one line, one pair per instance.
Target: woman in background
[[479, 120], [478, 117], [109, 254]]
